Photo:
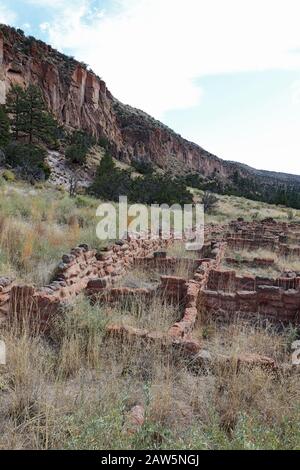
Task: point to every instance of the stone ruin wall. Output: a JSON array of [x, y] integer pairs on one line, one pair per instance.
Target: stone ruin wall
[[209, 291], [72, 276], [276, 299]]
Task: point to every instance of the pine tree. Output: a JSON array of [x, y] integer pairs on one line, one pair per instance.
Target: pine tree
[[15, 106], [36, 123], [4, 127], [29, 116], [107, 165], [110, 181]]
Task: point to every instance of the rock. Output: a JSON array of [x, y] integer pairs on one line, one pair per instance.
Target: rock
[[256, 360], [205, 355], [120, 242], [67, 259], [99, 283], [84, 246], [160, 254], [104, 255], [5, 281], [134, 420], [88, 104]]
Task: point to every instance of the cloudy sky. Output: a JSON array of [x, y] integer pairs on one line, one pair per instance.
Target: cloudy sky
[[225, 74]]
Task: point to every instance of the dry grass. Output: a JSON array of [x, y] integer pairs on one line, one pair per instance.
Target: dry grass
[[178, 250], [73, 390], [281, 263], [231, 207], [38, 226], [155, 314]]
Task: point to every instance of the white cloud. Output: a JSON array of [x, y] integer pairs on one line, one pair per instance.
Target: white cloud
[[6, 16], [151, 51]]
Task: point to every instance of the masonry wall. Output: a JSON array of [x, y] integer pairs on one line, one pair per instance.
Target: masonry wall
[[229, 281], [74, 273], [268, 302], [6, 285]]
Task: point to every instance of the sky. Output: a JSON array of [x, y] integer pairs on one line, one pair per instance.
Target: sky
[[224, 74]]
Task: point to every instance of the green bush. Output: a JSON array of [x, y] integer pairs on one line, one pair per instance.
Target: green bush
[[143, 167], [29, 160], [79, 145], [4, 127], [8, 176], [76, 154], [111, 182]]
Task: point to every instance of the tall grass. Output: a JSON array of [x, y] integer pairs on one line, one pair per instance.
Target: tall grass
[[38, 226], [73, 389]]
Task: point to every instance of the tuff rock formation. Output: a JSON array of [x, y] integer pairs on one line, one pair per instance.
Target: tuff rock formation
[[80, 99]]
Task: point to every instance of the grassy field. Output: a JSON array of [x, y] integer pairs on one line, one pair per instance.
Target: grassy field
[[39, 224], [72, 389], [281, 263], [231, 207]]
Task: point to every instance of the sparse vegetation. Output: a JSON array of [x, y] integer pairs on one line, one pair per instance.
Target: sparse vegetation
[[26, 126], [4, 127], [38, 225], [151, 188], [79, 145], [71, 387], [72, 393], [209, 201]]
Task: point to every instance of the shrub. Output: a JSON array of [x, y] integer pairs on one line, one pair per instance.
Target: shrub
[[76, 154], [143, 167], [159, 189], [111, 182], [79, 144], [103, 142], [9, 176], [28, 160], [209, 201]]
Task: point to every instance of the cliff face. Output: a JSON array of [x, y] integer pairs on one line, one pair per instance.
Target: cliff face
[[80, 99], [76, 96]]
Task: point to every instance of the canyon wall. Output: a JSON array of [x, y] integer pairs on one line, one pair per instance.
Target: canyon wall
[[80, 100]]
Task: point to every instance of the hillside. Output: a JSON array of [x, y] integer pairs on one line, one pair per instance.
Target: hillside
[[112, 372], [81, 100]]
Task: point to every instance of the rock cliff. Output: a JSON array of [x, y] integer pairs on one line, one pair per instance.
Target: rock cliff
[[80, 99]]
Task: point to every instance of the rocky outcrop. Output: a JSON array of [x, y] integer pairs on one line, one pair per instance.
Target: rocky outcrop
[[76, 96], [80, 99]]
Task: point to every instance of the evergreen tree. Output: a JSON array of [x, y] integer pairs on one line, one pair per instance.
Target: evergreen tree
[[80, 143], [4, 127], [107, 165], [29, 116], [29, 160], [36, 119], [15, 106], [110, 182]]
